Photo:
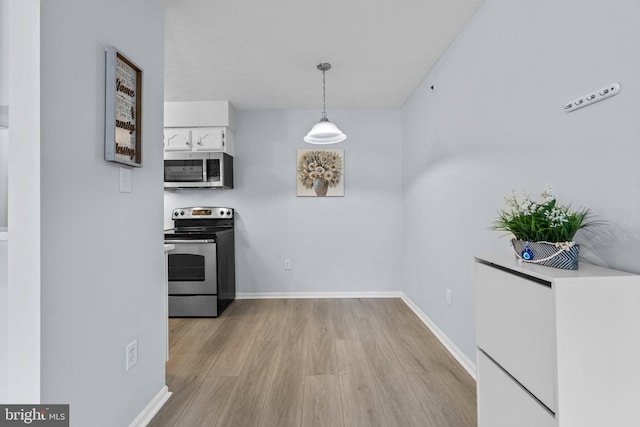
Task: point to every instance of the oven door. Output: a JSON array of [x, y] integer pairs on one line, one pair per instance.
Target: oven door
[[192, 267]]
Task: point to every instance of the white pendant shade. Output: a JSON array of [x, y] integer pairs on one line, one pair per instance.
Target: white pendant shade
[[324, 132]]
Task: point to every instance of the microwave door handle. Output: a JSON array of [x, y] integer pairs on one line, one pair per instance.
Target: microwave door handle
[[187, 241], [205, 165]]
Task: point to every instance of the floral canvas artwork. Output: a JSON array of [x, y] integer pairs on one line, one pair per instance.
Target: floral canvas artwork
[[320, 172]]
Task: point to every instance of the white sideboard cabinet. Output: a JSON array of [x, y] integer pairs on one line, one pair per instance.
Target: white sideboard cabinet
[[556, 348]]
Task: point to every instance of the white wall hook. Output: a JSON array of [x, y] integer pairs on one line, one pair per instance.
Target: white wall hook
[[599, 95]]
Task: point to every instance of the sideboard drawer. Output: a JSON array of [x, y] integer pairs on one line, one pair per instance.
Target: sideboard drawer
[[502, 402], [515, 327]]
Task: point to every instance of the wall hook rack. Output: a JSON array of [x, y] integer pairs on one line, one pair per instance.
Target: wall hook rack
[[593, 97]]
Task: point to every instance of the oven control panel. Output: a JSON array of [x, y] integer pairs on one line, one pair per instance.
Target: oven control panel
[[204, 212]]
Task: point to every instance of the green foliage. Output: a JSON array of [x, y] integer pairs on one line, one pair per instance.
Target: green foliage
[[544, 221]]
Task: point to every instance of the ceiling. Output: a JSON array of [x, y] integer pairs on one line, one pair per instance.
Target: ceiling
[[262, 54]]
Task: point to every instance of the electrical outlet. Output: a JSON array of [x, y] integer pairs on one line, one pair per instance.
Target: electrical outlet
[[132, 355], [448, 297], [287, 264], [125, 180]]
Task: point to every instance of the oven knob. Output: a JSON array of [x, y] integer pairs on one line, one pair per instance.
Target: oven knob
[[181, 212], [221, 213], [229, 213]]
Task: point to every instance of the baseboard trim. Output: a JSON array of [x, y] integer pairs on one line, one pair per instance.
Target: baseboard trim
[[152, 408], [462, 358], [301, 295]]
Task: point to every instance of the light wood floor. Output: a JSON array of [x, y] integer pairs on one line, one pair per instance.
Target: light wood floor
[[320, 362]]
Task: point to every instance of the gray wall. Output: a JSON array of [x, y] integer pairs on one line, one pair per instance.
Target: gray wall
[[494, 123], [336, 244], [102, 250]]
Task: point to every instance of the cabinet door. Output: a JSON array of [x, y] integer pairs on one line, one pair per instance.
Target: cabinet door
[[515, 320], [208, 139], [177, 139], [502, 402]]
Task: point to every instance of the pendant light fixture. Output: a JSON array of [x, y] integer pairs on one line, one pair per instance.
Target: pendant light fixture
[[324, 132]]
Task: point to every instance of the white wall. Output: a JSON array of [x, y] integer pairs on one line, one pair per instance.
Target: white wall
[[4, 177], [102, 250], [336, 244], [4, 52], [4, 100], [4, 173], [3, 320], [23, 262], [495, 123]]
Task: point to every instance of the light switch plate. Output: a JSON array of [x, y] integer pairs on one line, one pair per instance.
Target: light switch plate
[[132, 355], [125, 180]]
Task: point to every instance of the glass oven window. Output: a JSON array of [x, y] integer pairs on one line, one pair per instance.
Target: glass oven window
[[186, 268], [183, 170]]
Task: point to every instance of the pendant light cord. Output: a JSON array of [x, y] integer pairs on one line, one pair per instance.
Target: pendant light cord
[[324, 97]]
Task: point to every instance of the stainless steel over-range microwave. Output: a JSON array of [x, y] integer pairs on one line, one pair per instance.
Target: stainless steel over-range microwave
[[198, 170]]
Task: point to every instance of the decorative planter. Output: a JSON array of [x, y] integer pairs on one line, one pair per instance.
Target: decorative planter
[[559, 255], [320, 186]]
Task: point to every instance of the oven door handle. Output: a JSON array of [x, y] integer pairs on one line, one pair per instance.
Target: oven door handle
[[171, 242]]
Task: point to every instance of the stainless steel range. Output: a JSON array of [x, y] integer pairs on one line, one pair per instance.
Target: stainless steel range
[[202, 279]]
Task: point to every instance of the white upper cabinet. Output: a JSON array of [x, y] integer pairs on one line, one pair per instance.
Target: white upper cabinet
[[199, 126], [177, 139], [208, 139], [199, 139], [198, 114]]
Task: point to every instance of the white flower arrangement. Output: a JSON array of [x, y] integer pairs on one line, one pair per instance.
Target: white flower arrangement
[[543, 221], [319, 164]]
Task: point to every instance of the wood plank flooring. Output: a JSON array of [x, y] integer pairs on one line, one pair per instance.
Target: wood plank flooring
[[313, 362]]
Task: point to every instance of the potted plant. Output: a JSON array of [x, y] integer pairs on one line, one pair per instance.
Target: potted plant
[[543, 230]]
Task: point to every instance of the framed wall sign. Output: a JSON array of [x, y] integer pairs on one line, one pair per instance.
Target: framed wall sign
[[123, 110]]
